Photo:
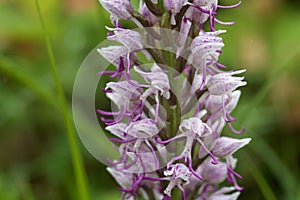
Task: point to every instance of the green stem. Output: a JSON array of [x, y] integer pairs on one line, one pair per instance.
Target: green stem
[[153, 8], [80, 174], [176, 194], [174, 120], [161, 5], [179, 17], [156, 57]]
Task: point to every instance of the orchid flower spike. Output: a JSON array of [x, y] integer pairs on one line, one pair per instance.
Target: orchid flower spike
[[166, 124]]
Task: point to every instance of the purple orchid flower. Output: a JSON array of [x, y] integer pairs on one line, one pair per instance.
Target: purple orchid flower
[[187, 106], [180, 174], [205, 51]]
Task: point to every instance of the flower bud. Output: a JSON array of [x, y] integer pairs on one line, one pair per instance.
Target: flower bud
[[214, 103], [213, 174], [182, 36]]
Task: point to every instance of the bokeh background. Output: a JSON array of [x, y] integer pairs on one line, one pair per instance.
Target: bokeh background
[[35, 156]]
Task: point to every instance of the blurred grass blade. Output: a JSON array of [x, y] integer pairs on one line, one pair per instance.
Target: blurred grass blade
[[298, 192], [278, 168], [262, 93], [27, 193], [80, 174], [264, 187], [10, 70]]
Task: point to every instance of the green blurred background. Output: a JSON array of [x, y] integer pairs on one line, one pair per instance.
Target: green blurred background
[[35, 156]]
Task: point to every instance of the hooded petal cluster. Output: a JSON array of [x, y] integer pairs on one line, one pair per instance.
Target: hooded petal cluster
[[206, 48], [158, 80], [224, 83], [123, 94], [113, 54], [119, 9], [132, 40], [167, 121]]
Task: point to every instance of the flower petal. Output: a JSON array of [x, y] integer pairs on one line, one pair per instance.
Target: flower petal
[[226, 146], [117, 130]]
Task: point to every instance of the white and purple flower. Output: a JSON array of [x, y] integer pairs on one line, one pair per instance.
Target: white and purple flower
[[167, 141]]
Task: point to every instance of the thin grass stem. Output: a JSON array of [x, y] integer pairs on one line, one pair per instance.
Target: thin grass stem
[[80, 174], [258, 176]]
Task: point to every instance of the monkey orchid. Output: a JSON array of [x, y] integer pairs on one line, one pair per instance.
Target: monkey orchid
[[168, 117]]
